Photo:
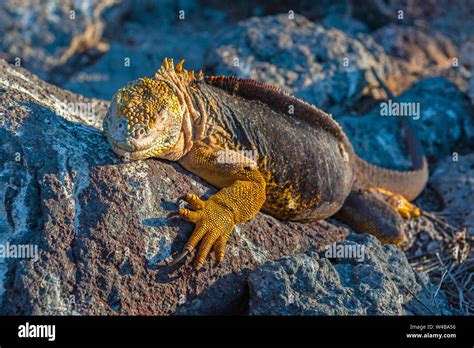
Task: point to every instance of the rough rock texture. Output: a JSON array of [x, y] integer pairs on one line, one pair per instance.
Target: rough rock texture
[[466, 55], [415, 53], [430, 16], [141, 34], [46, 35], [454, 182], [310, 284], [466, 58], [326, 67], [108, 43], [415, 47], [101, 225], [312, 9], [471, 89], [445, 125], [344, 23], [453, 21]]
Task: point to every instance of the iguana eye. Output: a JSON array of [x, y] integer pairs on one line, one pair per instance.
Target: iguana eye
[[120, 125]]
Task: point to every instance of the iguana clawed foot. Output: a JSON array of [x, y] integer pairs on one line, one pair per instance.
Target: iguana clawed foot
[[406, 209], [214, 225]]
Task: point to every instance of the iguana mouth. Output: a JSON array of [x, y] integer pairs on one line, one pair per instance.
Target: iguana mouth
[[131, 154], [131, 144], [132, 149]]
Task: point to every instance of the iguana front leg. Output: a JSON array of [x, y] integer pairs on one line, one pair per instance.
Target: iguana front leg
[[241, 196]]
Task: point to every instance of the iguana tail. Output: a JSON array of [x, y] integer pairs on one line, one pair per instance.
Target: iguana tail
[[407, 183]]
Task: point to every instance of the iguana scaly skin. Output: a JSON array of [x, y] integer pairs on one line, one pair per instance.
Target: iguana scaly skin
[[263, 149]]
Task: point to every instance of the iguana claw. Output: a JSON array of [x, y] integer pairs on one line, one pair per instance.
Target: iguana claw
[[179, 258], [214, 224]]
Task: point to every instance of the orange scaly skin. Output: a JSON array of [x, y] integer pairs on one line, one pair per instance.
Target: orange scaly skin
[[239, 136], [241, 197]]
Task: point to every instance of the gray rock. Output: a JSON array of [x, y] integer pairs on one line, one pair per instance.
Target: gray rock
[[138, 45], [383, 283], [471, 89], [323, 66], [466, 55], [453, 21], [345, 24], [429, 16], [466, 58], [101, 225], [417, 48], [417, 54], [445, 125], [108, 43], [43, 36], [452, 180]]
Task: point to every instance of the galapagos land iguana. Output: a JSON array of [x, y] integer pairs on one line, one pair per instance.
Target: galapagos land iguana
[[265, 150]]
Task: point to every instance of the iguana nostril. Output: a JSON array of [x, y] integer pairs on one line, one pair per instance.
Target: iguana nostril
[[140, 132]]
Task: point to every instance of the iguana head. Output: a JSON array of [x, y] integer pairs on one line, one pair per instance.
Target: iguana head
[[145, 118]]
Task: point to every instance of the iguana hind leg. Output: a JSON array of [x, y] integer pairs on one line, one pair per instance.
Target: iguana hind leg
[[398, 202], [367, 212]]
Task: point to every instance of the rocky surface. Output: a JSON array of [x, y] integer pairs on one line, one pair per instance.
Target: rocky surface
[[415, 53], [46, 35], [429, 16], [182, 30], [416, 48], [453, 180], [380, 282], [344, 23], [466, 59], [445, 124], [324, 66], [101, 225], [107, 43], [471, 89]]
